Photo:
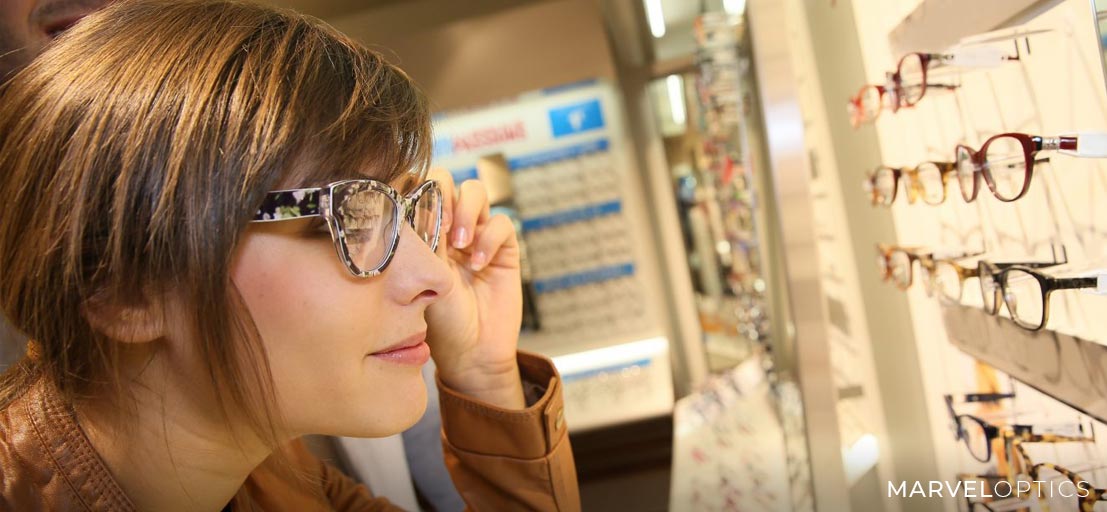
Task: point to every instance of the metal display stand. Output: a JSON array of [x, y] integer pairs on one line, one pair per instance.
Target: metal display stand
[[1070, 369]]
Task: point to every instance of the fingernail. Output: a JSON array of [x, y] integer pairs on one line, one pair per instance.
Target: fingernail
[[479, 260], [461, 238]]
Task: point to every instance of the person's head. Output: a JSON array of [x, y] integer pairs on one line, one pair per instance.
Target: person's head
[[136, 151], [27, 25]]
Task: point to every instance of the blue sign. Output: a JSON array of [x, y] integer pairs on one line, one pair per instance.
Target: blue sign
[[469, 173], [570, 216], [554, 155], [554, 284], [576, 118]]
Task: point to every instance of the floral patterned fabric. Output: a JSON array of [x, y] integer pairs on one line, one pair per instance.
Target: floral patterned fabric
[[289, 204]]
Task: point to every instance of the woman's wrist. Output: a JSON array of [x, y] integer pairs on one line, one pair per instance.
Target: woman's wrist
[[500, 386]]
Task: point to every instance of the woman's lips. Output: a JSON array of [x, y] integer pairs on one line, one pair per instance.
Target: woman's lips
[[413, 351]]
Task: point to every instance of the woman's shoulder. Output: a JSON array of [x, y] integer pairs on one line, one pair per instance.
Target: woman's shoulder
[[26, 461]]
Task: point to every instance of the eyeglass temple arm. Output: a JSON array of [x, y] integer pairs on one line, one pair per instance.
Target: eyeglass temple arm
[[1078, 144], [1095, 284], [289, 204], [1035, 264], [1052, 438], [986, 397]]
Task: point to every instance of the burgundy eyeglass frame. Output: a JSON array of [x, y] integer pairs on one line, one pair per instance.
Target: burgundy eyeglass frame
[[897, 78], [1031, 145]]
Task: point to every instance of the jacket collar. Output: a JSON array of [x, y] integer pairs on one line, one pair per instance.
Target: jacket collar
[[71, 453]]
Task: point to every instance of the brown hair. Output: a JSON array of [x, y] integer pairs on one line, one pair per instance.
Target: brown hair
[[136, 148]]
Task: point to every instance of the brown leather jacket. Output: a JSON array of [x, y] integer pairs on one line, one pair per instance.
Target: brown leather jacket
[[499, 459]]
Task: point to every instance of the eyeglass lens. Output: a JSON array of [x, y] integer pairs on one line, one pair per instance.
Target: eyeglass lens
[[988, 290], [929, 179], [367, 217], [966, 173], [946, 280], [975, 438], [911, 72], [1022, 293], [1005, 163], [884, 183], [870, 101], [428, 210], [900, 264]]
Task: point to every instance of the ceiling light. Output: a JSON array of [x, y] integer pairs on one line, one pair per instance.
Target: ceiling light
[[675, 84], [656, 18], [735, 7]]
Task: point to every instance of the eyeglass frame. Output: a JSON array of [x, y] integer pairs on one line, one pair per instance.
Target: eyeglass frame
[[856, 110], [290, 204], [1088, 501], [914, 186], [965, 273], [991, 432], [958, 56], [925, 260], [913, 254], [899, 96], [1047, 284], [1031, 146]]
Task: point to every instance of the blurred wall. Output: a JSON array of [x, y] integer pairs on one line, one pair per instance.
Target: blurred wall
[[471, 53]]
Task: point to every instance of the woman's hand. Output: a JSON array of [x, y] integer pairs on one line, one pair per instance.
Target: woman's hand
[[473, 332]]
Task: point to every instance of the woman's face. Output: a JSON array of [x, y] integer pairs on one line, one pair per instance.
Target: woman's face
[[326, 332]]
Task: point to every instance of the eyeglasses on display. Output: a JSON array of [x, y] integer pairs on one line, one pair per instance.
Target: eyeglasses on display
[[996, 485], [928, 181], [896, 93], [1082, 497], [1006, 161], [363, 217], [896, 264], [946, 277], [1026, 292], [976, 433]]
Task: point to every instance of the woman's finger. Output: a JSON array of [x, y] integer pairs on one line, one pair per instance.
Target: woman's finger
[[494, 239], [470, 211]]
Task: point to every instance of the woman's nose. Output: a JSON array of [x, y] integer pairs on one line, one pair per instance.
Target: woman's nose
[[416, 273]]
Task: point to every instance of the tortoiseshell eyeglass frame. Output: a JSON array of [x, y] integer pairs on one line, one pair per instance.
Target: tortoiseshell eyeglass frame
[[1091, 495], [914, 184], [291, 204], [926, 261], [964, 273], [1048, 284]]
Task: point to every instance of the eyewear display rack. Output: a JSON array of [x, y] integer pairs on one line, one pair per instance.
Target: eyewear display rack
[[1058, 375], [1070, 369]]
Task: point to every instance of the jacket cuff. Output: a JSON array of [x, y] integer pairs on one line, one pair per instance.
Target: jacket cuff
[[477, 427]]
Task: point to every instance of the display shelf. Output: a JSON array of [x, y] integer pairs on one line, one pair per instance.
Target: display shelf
[[1070, 369], [930, 27]]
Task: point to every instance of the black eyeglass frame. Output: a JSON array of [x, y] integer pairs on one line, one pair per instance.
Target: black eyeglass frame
[[1047, 284]]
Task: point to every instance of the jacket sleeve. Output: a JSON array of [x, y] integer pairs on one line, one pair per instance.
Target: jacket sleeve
[[512, 460]]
